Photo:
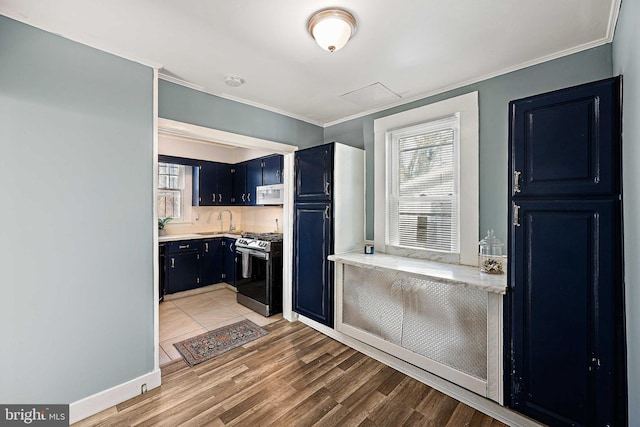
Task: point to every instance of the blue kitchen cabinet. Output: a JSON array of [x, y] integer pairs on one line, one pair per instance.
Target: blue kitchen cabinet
[[239, 184], [314, 173], [214, 184], [272, 170], [211, 261], [254, 179], [207, 184], [229, 260], [317, 213], [564, 309], [225, 183], [182, 266], [312, 271]]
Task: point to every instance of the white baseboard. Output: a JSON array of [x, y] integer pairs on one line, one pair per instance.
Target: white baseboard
[[467, 397], [98, 402]]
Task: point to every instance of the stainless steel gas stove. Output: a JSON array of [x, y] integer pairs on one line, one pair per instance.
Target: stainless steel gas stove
[[259, 272]]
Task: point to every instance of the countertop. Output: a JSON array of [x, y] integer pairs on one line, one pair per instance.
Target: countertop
[[194, 236], [454, 274]]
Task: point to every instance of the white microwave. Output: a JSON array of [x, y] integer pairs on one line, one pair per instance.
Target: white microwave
[[270, 194]]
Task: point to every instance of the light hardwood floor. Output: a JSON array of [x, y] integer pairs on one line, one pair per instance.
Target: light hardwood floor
[[294, 376]]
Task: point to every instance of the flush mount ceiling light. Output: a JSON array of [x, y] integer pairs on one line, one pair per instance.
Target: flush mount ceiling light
[[233, 81], [332, 28]]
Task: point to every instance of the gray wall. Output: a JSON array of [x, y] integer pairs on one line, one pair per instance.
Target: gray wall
[[76, 260], [626, 61], [494, 94], [191, 106]]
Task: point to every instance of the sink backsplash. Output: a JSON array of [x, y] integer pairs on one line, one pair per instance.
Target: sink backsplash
[[259, 219]]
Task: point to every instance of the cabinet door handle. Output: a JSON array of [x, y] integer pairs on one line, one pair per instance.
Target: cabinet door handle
[[516, 215], [173, 263], [516, 181], [248, 197], [219, 197], [243, 197], [326, 188], [277, 175], [326, 212], [206, 247], [213, 197], [183, 247]]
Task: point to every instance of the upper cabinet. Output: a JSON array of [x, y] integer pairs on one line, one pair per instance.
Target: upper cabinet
[[254, 178], [314, 173], [272, 170], [214, 183], [239, 183], [224, 184], [253, 173], [562, 147]]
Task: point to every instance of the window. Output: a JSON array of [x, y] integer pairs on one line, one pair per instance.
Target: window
[[422, 207], [426, 181], [170, 190]]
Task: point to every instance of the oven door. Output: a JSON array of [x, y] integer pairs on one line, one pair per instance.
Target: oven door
[[252, 275]]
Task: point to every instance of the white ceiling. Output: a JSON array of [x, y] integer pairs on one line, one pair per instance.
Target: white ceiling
[[413, 47]]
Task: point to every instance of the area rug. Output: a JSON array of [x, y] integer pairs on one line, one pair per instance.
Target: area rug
[[213, 343]]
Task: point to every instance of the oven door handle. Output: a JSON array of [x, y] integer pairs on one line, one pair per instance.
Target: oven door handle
[[257, 254]]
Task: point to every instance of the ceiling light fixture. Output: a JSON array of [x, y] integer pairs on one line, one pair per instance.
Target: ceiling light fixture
[[332, 28], [233, 81]]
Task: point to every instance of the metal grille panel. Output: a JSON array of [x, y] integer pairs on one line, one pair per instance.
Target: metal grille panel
[[372, 302], [446, 323], [443, 322]]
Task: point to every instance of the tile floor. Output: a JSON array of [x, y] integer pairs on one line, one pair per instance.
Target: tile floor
[[183, 318]]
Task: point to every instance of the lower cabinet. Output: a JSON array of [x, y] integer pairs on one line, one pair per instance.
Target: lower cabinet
[[182, 266], [312, 272], [190, 264], [229, 260], [211, 263]]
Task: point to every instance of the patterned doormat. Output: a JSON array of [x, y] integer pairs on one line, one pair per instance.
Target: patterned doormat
[[210, 344]]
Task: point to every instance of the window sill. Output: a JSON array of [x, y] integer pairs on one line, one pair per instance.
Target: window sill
[[459, 275]]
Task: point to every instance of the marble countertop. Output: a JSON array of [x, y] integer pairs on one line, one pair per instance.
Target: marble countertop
[[193, 236], [454, 274]]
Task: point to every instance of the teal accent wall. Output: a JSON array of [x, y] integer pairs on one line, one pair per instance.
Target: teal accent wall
[[187, 105], [76, 218], [626, 61], [494, 96]]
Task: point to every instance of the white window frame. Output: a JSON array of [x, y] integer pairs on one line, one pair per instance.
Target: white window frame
[[467, 107], [185, 196], [452, 122]]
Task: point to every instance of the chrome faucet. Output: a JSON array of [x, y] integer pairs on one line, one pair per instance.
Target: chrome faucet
[[231, 227]]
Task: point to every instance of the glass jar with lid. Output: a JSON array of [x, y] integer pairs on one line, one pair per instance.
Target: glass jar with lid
[[491, 259]]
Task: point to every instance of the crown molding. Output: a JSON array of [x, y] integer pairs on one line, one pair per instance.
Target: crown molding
[[203, 89]]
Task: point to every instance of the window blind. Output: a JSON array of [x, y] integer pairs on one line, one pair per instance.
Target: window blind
[[423, 201]]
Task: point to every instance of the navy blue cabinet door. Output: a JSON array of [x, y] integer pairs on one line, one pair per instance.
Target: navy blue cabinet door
[[562, 141], [563, 320], [312, 272], [224, 178], [564, 346], [183, 271], [254, 178], [314, 173], [211, 263], [229, 261], [272, 170], [239, 183], [207, 183]]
